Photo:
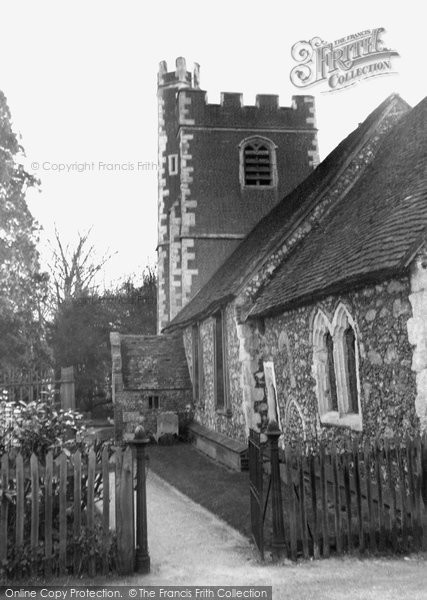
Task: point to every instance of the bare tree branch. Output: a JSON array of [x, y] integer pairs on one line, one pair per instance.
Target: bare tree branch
[[74, 271]]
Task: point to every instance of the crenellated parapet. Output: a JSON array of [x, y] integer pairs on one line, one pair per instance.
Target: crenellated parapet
[[167, 78], [265, 114]]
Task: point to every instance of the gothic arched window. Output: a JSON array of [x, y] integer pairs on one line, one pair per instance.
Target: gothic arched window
[[258, 163], [336, 369], [346, 361], [349, 340], [332, 384]]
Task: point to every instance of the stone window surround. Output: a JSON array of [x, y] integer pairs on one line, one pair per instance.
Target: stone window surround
[[225, 409], [273, 162], [341, 321], [153, 402], [197, 364]]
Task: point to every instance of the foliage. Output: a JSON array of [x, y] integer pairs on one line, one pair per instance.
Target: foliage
[[23, 287], [39, 427], [80, 333], [24, 562]]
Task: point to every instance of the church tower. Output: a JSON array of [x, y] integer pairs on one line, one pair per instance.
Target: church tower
[[222, 167]]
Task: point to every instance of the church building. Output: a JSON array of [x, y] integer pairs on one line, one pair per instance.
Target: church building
[[288, 289]]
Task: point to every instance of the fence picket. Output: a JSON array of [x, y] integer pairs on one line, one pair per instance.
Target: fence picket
[[337, 500], [105, 507], [291, 503], [316, 545], [19, 465], [371, 514], [347, 494], [411, 485], [77, 514], [34, 468], [324, 501], [62, 514], [358, 489], [418, 499], [4, 506], [392, 492], [48, 513], [403, 514], [118, 462], [302, 501], [381, 509], [90, 503]]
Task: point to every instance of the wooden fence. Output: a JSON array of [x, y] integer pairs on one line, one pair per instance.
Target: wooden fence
[[364, 499], [59, 514]]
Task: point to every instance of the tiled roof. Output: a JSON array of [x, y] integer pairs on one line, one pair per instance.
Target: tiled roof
[[270, 232], [154, 362], [372, 232]]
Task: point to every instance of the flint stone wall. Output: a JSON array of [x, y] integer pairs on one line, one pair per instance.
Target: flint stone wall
[[387, 383]]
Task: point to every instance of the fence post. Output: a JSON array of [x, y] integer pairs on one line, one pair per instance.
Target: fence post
[[142, 558], [278, 542], [125, 526], [424, 487], [67, 389]]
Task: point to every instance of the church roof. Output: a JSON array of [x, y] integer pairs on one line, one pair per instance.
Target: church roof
[[280, 222], [373, 231], [154, 362]]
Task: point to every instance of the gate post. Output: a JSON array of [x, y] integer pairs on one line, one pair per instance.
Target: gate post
[[278, 543], [423, 476], [142, 558], [67, 390]]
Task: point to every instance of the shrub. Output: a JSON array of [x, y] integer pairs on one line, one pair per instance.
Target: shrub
[[40, 427]]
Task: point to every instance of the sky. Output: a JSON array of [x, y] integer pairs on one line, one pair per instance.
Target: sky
[[80, 78]]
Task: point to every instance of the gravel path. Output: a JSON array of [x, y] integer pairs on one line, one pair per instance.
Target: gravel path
[[190, 546]]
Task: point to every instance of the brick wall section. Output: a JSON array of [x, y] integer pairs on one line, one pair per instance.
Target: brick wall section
[[146, 366], [215, 212]]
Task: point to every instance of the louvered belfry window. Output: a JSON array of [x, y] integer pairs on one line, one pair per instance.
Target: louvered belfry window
[[258, 168]]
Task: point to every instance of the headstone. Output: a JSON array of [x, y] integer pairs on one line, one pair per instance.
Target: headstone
[[167, 423]]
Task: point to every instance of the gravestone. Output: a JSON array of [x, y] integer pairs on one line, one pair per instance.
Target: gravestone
[[167, 424]]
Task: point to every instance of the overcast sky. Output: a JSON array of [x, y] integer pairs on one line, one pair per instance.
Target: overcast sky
[[80, 79]]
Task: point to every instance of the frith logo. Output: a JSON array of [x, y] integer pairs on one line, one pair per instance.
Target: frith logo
[[341, 63]]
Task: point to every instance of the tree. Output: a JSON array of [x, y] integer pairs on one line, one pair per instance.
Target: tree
[[74, 271], [80, 333], [23, 286]]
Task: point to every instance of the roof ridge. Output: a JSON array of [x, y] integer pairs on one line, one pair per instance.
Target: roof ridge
[[375, 230], [318, 194]]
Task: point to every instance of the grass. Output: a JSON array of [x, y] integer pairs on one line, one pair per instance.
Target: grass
[[222, 491]]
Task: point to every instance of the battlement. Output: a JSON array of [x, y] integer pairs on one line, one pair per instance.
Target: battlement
[[266, 113], [180, 76]]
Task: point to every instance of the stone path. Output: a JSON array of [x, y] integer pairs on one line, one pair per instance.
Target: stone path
[[190, 546]]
